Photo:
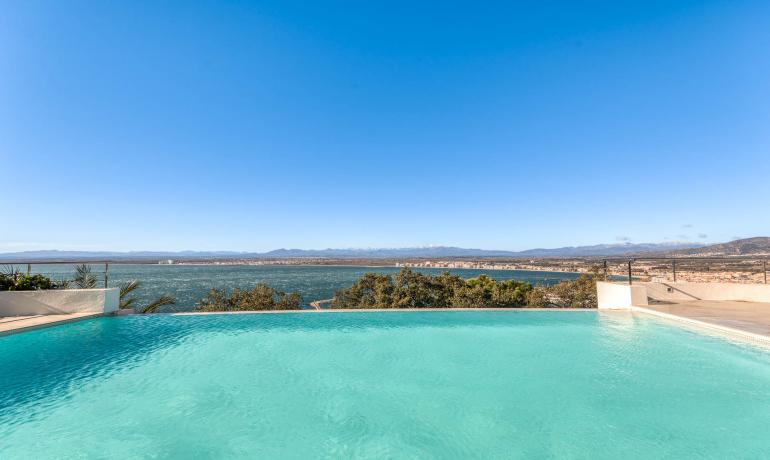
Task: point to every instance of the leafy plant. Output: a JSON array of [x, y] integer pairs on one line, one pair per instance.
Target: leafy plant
[[128, 302], [11, 279], [8, 277], [125, 289], [34, 282], [84, 279], [161, 301]]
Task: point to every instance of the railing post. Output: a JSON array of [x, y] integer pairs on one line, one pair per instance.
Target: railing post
[[629, 271], [106, 270], [29, 269], [673, 266], [606, 278]]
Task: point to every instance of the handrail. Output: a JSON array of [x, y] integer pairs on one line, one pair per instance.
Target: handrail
[[29, 265], [712, 258], [68, 262], [673, 260]]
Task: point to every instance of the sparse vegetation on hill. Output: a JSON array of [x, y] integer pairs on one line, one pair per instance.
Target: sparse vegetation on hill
[[744, 247]]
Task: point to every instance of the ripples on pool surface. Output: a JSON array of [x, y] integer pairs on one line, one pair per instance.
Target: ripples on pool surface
[[374, 385]]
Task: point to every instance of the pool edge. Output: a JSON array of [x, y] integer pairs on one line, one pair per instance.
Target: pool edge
[[363, 310]]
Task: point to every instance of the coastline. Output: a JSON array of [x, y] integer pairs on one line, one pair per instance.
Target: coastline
[[279, 264]]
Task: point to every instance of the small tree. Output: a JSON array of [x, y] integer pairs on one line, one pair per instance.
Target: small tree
[[372, 290], [579, 293], [417, 290], [261, 297], [484, 291]]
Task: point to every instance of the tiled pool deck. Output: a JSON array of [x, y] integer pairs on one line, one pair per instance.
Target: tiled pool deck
[[748, 319], [15, 324]]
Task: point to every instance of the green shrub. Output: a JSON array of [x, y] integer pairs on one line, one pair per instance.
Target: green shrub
[[484, 291], [412, 289], [579, 293], [34, 282], [13, 280], [261, 297]]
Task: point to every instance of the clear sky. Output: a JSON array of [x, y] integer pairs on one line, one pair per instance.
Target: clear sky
[[144, 125]]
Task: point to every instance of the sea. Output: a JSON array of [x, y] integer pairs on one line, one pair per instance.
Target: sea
[[189, 283]]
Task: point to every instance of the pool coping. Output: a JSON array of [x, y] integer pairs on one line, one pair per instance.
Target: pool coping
[[361, 310], [700, 326], [41, 322]]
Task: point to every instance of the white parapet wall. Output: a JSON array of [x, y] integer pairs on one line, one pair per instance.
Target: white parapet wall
[[59, 302], [684, 292], [615, 295]]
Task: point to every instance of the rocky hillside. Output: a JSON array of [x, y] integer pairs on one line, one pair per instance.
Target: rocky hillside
[[758, 246]]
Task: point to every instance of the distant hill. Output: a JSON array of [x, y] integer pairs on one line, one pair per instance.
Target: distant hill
[[599, 250], [390, 253], [448, 251], [83, 255], [383, 253], [758, 246]]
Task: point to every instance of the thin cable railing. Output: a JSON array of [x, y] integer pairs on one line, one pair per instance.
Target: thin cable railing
[[736, 269], [102, 274]]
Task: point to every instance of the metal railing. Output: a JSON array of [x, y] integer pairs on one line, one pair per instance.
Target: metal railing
[[29, 264], [676, 266]]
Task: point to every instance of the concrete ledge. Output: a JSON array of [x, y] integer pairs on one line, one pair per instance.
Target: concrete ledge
[[364, 310], [58, 302]]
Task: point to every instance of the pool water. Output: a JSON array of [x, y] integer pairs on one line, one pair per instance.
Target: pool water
[[456, 384]]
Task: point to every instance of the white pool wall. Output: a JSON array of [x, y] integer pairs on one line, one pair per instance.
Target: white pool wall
[[58, 302]]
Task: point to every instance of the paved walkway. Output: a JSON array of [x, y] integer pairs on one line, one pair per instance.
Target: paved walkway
[[14, 324], [749, 317]]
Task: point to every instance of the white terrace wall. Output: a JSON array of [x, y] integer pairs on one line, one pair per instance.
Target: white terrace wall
[[683, 291], [618, 295], [58, 302]]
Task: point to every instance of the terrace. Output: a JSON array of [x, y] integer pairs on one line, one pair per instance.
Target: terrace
[[692, 293]]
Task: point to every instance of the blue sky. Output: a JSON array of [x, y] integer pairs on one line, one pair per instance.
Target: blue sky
[[257, 125]]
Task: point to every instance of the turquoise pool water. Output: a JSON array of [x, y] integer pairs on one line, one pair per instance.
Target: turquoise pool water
[[382, 385]]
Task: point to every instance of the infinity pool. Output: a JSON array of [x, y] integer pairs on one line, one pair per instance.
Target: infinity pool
[[377, 385]]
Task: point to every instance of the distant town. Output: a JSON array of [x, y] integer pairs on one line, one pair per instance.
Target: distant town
[[742, 261], [737, 270]]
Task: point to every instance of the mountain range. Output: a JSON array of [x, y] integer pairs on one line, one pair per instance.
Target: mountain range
[[384, 253], [757, 246]]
